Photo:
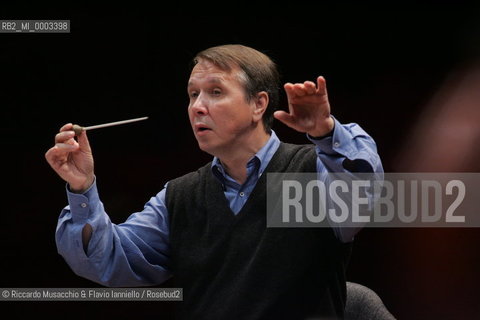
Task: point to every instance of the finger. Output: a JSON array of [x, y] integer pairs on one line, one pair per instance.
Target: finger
[[310, 87], [299, 89], [51, 154], [66, 127], [83, 141], [290, 93], [284, 117], [321, 85], [66, 147], [64, 136], [59, 153], [289, 89]]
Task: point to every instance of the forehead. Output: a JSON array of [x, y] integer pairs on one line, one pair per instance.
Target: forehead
[[207, 72]]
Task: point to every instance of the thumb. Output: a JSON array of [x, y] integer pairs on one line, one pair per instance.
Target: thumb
[[83, 142], [284, 117]]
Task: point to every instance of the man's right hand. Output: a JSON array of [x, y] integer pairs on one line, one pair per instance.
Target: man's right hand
[[72, 160]]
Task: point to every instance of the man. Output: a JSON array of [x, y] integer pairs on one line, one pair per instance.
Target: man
[[207, 229]]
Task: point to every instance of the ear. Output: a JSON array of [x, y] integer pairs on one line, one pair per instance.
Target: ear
[[260, 105]]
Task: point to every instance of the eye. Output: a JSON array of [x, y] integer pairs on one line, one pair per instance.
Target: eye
[[216, 92], [193, 94]]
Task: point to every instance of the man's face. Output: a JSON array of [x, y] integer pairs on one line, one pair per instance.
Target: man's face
[[218, 110]]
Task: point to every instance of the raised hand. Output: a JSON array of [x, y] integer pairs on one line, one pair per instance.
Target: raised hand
[[72, 160], [309, 109]]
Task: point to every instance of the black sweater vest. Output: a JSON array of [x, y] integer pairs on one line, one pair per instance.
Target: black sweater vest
[[233, 267]]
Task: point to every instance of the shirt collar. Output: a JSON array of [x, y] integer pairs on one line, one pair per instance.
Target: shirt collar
[[260, 159]]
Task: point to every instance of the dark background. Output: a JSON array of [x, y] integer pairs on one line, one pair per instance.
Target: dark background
[[382, 66]]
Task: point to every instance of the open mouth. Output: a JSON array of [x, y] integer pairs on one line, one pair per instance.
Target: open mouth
[[201, 128]]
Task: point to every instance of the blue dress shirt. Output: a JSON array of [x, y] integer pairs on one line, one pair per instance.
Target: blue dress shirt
[[136, 252]]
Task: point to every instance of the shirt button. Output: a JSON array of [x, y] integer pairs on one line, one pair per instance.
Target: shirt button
[[336, 144], [83, 205], [242, 194]]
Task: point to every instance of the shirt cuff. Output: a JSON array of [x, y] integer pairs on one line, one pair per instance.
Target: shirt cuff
[[81, 203], [336, 143]]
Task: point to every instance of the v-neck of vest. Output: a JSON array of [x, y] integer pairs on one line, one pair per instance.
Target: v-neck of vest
[[276, 164]]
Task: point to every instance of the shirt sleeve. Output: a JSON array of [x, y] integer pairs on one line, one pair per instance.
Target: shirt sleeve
[[134, 253], [349, 150]]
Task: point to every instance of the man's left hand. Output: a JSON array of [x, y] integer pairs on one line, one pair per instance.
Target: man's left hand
[[309, 109]]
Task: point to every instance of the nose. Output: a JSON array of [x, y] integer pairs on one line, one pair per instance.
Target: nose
[[199, 106]]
